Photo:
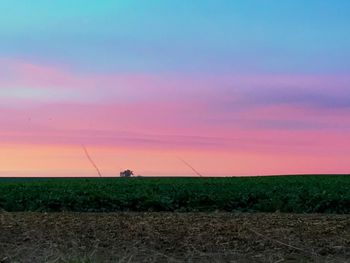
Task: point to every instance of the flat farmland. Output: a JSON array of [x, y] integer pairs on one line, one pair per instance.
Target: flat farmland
[[255, 219]]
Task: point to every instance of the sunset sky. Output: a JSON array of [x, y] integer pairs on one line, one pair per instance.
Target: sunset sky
[[232, 87]]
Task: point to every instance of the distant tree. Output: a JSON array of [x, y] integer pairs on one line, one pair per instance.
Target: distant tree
[[126, 173]]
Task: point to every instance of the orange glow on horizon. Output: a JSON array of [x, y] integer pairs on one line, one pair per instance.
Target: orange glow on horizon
[[33, 160]]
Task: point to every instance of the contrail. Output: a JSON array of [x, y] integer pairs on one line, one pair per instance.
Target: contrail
[[190, 166], [91, 161]]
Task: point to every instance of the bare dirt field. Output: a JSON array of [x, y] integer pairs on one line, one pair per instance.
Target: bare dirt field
[[173, 237]]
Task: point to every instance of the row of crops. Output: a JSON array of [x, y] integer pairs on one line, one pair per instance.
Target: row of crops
[[297, 194]]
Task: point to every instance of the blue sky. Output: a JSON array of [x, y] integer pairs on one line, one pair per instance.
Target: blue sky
[[181, 36]]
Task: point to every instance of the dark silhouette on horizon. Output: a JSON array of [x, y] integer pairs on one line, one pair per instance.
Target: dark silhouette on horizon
[[126, 173]]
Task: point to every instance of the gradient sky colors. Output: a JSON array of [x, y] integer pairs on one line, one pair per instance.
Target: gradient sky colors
[[233, 87]]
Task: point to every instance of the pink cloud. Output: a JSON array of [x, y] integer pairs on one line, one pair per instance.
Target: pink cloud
[[213, 90], [240, 116]]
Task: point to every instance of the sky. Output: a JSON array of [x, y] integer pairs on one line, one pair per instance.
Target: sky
[[232, 87]]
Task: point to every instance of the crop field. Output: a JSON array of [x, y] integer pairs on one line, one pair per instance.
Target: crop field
[[255, 219], [292, 194]]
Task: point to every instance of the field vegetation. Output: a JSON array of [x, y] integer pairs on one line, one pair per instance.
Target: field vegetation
[[292, 194]]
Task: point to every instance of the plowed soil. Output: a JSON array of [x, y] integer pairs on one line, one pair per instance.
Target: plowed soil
[[173, 237]]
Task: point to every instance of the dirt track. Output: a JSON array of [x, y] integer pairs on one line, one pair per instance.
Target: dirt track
[[173, 237]]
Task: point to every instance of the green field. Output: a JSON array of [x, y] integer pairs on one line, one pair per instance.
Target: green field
[[294, 194]]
